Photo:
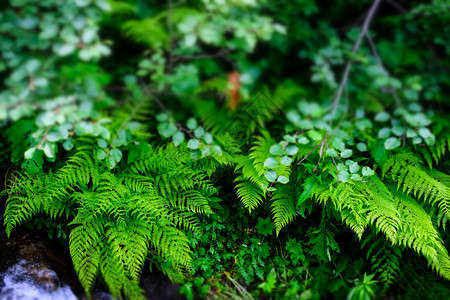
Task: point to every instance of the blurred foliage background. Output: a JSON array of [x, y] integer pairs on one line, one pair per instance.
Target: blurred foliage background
[[246, 148]]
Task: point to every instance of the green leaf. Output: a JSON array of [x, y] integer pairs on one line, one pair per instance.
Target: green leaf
[[162, 117], [342, 167], [66, 49], [199, 132], [417, 140], [271, 163], [398, 130], [291, 150], [102, 143], [101, 154], [29, 153], [331, 152], [208, 138], [167, 129], [361, 147], [178, 138], [283, 179], [206, 151], [425, 133], [49, 149], [366, 172], [193, 144], [355, 177], [384, 133], [338, 143], [276, 150], [217, 150], [289, 138], [191, 124], [354, 167], [343, 176], [315, 135], [286, 161], [392, 143], [303, 140], [382, 117], [116, 154], [270, 175], [293, 116], [68, 145], [346, 153]]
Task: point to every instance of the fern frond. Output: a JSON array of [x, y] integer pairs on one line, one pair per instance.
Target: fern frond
[[384, 258], [405, 169], [417, 232], [250, 194], [283, 206]]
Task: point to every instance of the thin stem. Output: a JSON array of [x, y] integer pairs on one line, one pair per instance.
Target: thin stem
[[374, 50], [356, 46]]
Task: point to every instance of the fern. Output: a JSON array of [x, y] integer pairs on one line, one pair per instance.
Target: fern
[[405, 169], [384, 258], [120, 216]]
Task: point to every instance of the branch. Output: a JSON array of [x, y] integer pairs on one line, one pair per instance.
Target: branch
[[362, 33]]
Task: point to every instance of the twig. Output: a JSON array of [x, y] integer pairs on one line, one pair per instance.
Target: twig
[[308, 154], [374, 50], [397, 6], [356, 46]]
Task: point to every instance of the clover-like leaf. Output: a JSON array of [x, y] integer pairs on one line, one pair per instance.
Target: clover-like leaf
[[366, 172], [276, 149], [270, 175], [392, 143], [346, 153], [286, 161], [331, 152], [271, 163], [178, 138], [193, 144], [283, 179]]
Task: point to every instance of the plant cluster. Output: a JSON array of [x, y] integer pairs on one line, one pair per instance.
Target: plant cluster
[[244, 148]]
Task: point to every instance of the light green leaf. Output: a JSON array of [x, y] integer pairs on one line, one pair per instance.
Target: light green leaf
[[283, 179], [271, 175], [271, 163], [303, 140], [331, 152], [354, 167], [65, 50], [29, 153], [102, 143], [343, 176], [167, 129], [208, 138], [382, 117], [199, 132], [193, 144], [178, 138], [355, 177], [425, 132], [366, 172], [286, 161], [346, 153], [101, 154], [291, 150], [361, 147], [191, 124], [68, 145], [116, 154], [384, 133], [392, 143], [338, 143], [276, 150]]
